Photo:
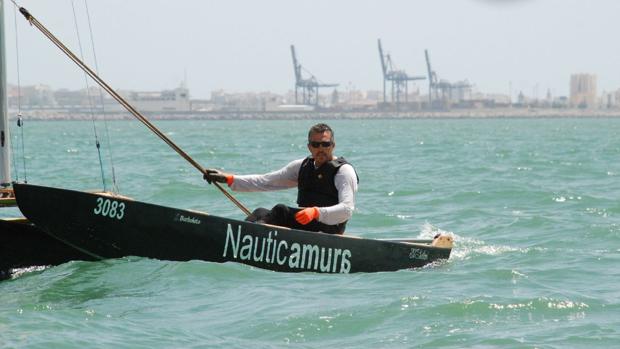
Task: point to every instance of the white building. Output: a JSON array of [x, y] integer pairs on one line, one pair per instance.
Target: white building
[[154, 101], [583, 91]]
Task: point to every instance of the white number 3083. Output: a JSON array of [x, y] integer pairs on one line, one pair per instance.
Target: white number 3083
[[110, 208]]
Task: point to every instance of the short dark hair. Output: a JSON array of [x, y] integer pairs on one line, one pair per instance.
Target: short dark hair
[[320, 128]]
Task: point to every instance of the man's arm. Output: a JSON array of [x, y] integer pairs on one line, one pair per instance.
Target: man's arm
[[283, 178], [346, 183]]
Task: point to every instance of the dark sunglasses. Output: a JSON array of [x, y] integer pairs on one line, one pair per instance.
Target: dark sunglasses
[[318, 144]]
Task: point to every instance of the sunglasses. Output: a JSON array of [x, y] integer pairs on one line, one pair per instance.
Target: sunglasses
[[318, 144]]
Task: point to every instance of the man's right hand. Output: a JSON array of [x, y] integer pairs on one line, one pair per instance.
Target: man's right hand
[[212, 175]]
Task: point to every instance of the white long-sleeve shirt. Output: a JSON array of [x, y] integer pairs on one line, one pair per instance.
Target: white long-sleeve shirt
[[287, 177]]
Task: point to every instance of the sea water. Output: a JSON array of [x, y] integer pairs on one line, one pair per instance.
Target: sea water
[[533, 206]]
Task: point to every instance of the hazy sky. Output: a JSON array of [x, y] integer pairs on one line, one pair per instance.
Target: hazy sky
[[243, 45]]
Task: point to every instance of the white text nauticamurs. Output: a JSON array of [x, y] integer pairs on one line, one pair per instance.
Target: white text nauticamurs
[[270, 250]]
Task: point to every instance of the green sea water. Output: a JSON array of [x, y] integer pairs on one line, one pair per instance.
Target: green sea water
[[533, 205]]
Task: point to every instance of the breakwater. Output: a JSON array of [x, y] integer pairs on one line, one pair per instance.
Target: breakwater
[[327, 114]]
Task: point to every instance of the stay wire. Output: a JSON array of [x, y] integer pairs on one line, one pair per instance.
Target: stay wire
[[15, 172], [34, 22], [20, 122], [90, 99], [101, 100]]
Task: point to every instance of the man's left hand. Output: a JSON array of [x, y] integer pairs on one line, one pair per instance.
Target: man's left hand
[[307, 215]]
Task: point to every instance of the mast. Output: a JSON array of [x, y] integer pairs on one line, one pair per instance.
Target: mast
[[5, 146]]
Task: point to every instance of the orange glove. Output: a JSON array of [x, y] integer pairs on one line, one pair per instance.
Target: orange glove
[[307, 215]]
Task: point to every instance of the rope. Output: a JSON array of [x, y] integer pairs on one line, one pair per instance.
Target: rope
[[90, 99], [20, 122], [101, 99], [19, 106], [34, 22]]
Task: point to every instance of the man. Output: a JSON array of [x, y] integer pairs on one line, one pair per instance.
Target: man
[[326, 187]]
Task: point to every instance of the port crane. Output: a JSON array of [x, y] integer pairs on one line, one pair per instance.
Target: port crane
[[309, 87], [398, 78], [443, 87]]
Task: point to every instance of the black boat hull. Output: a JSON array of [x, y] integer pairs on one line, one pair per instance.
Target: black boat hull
[[112, 227], [24, 245]]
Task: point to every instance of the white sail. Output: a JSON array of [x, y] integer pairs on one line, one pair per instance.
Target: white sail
[[5, 139]]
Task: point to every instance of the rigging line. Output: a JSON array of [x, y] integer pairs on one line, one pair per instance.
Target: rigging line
[[19, 104], [20, 123], [90, 98], [101, 99], [18, 99], [33, 21]]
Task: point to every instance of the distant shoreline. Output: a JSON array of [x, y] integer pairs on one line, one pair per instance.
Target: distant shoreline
[[330, 115]]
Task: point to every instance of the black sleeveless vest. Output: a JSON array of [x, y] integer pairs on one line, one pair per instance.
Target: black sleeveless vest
[[316, 188]]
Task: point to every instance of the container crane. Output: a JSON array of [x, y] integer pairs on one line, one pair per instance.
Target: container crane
[[309, 87], [443, 87], [398, 78]]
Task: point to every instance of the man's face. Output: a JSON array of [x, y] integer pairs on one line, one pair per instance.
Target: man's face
[[322, 153]]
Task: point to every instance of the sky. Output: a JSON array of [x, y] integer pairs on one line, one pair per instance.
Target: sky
[[500, 46]]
